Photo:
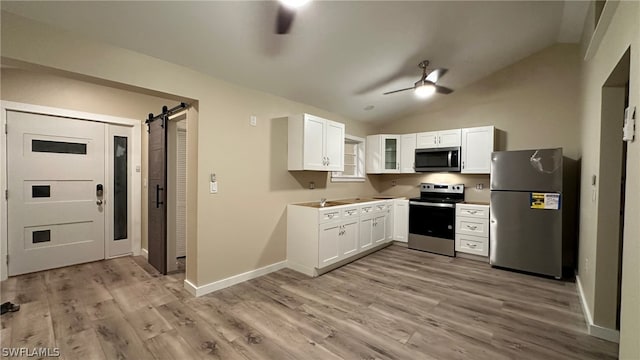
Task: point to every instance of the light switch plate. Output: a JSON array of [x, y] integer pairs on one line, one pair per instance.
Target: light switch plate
[[213, 187], [253, 121]]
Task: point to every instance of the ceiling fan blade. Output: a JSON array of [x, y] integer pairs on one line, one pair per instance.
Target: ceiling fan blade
[[443, 90], [395, 91], [436, 74], [284, 20]]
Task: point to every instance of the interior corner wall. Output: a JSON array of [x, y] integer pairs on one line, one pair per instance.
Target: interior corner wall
[[532, 103], [242, 227], [622, 32], [54, 90]]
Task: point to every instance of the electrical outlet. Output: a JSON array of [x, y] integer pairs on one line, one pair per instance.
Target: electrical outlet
[[393, 183], [312, 185], [253, 121], [479, 186]]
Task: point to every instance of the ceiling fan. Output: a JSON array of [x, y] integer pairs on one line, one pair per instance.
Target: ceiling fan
[[426, 86], [286, 14]]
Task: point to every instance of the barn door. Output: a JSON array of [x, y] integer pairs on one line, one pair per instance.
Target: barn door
[[157, 194]]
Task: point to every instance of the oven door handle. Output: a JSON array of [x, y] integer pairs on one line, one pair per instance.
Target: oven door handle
[[444, 205]]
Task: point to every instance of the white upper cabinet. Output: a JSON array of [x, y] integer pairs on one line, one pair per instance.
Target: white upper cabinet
[[407, 153], [438, 139], [383, 154], [477, 146], [315, 144]]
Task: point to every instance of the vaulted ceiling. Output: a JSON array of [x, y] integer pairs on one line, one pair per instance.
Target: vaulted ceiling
[[340, 55]]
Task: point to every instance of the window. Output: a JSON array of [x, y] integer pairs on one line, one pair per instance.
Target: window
[[120, 184], [60, 147], [353, 161]]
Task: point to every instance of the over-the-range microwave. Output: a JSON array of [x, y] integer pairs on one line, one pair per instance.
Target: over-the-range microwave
[[438, 159]]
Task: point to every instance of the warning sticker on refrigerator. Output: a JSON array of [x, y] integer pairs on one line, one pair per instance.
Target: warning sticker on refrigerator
[[548, 201]]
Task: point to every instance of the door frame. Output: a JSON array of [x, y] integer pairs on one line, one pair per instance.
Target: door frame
[[135, 167]]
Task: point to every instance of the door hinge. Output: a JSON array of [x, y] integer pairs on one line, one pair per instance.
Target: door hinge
[[7, 259], [6, 128], [6, 194]]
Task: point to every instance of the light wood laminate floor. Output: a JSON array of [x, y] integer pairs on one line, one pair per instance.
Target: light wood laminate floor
[[393, 304]]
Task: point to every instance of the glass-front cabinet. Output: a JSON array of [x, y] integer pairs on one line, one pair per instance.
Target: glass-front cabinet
[[383, 154]]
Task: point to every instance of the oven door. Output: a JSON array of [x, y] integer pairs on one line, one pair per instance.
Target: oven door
[[432, 219]]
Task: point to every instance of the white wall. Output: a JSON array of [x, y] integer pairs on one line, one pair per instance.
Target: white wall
[[241, 228], [622, 32]]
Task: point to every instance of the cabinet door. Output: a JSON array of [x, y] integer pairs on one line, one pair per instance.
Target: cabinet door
[[391, 149], [378, 232], [477, 146], [408, 153], [427, 140], [388, 226], [334, 145], [374, 154], [401, 220], [328, 244], [313, 156], [349, 238], [366, 227], [449, 138]]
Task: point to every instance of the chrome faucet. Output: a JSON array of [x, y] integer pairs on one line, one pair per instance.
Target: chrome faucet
[[323, 202]]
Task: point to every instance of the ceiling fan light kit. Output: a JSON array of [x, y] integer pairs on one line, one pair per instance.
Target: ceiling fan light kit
[[293, 4], [286, 14], [425, 90]]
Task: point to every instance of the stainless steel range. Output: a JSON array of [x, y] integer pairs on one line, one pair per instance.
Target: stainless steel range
[[432, 218]]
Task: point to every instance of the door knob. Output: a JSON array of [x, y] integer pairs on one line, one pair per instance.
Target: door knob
[[99, 202]]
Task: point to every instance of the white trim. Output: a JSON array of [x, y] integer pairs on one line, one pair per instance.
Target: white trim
[[606, 16], [233, 280], [144, 253], [593, 329], [73, 114]]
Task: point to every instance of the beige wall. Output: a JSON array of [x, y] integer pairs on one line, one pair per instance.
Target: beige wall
[[532, 103], [56, 90], [623, 32], [243, 226]]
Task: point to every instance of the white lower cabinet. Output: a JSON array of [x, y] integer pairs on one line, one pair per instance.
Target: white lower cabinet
[[472, 229], [348, 238], [329, 243], [378, 233], [366, 231], [389, 223], [319, 238], [401, 220]]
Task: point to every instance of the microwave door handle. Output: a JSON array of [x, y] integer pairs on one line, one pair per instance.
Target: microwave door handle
[[449, 157]]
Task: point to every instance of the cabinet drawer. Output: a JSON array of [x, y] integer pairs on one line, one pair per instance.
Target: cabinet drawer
[[329, 214], [380, 207], [477, 211], [367, 209], [472, 226], [472, 244], [350, 212]]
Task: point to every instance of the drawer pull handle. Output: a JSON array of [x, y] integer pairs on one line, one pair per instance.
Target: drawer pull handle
[[471, 245], [472, 227], [472, 211]]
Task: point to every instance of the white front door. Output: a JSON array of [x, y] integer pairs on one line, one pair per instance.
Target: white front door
[[55, 168]]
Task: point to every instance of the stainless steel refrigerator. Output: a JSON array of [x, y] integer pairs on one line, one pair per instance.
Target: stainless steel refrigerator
[[527, 208]]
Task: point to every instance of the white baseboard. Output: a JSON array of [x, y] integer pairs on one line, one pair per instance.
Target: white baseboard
[[236, 279], [145, 253], [593, 329]]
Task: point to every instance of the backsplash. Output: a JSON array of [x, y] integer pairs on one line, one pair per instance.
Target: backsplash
[[407, 184]]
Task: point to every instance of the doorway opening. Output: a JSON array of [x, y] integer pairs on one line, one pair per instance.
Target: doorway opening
[[611, 199], [177, 193]]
